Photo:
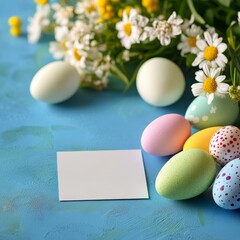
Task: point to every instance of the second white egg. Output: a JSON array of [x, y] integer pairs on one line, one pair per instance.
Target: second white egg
[[160, 82]]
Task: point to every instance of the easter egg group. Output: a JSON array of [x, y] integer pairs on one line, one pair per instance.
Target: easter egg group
[[192, 167]]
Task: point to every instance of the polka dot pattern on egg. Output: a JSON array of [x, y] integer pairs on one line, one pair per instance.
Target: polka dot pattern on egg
[[225, 144], [226, 187]]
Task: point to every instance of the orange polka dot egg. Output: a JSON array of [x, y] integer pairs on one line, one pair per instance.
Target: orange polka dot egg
[[225, 145]]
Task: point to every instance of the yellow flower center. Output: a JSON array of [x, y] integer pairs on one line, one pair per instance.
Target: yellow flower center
[[41, 2], [210, 53], [192, 41], [76, 55], [127, 28], [209, 85], [64, 45], [91, 8]]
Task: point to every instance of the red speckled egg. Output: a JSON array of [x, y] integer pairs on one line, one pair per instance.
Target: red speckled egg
[[225, 144]]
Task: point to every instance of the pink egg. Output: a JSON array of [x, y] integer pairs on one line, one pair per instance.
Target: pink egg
[[225, 144], [166, 135]]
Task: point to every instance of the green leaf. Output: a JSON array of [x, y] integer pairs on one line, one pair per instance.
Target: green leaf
[[196, 15], [235, 58], [133, 78], [116, 72], [189, 59], [209, 16], [225, 3]]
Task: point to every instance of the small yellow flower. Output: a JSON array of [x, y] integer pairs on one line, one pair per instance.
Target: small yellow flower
[[100, 20], [152, 8], [41, 2], [14, 21], [16, 31], [109, 8], [108, 15], [102, 3], [105, 9], [150, 5]]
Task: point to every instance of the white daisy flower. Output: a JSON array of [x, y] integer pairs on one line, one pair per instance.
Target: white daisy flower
[[59, 47], [87, 8], [75, 55], [62, 14], [164, 30], [239, 18], [187, 23], [210, 83], [211, 51], [81, 32], [38, 23], [189, 39], [131, 28]]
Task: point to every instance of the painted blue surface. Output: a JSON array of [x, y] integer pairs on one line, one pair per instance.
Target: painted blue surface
[[32, 132]]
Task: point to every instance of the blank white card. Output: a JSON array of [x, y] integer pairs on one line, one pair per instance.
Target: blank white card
[[92, 175]]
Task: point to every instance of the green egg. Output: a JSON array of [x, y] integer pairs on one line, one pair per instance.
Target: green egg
[[186, 175], [220, 112]]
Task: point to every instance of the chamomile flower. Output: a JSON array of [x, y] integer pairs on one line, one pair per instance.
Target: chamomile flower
[[187, 23], [130, 28], [62, 15], [59, 47], [165, 30], [88, 8], [81, 32], [38, 23], [211, 51], [210, 83], [75, 55], [189, 39]]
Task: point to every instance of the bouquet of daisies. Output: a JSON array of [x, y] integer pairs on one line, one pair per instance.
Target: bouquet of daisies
[[104, 38]]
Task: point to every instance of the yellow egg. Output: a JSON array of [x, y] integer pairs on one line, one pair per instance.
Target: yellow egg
[[186, 175], [201, 139]]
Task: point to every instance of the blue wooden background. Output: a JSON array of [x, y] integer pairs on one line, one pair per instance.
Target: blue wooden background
[[32, 132]]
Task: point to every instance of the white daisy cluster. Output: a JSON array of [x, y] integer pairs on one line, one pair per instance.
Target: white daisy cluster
[[134, 28], [75, 31], [39, 22], [208, 48], [98, 37]]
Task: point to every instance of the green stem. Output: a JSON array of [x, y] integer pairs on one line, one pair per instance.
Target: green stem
[[195, 13]]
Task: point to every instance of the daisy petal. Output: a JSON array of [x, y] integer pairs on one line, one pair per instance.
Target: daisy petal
[[222, 47], [210, 98], [220, 63], [201, 44], [208, 38], [219, 79], [197, 61], [197, 85], [223, 57]]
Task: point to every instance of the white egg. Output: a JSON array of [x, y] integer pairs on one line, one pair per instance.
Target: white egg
[[55, 82], [160, 82]]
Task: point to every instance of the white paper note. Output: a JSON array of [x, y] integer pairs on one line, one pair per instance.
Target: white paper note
[[92, 175]]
